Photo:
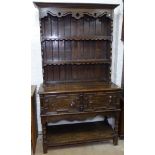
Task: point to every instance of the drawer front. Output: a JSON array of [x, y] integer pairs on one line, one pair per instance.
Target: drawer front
[[61, 103], [101, 101]]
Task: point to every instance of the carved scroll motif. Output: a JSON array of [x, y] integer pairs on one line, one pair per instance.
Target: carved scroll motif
[[77, 13]]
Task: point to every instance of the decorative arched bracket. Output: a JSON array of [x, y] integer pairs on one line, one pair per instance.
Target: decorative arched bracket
[[77, 13]]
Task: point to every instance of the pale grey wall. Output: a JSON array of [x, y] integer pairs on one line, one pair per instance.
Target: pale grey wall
[[117, 53]]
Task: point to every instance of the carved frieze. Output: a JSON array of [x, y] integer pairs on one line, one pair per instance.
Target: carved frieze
[[76, 13]]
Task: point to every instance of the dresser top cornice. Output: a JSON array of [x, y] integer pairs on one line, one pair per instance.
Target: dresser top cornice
[[76, 5]]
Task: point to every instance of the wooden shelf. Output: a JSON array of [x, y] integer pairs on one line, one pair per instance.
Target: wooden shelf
[[90, 37], [59, 135], [86, 61]]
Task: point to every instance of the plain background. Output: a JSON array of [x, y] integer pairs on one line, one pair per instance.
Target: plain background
[[15, 77]]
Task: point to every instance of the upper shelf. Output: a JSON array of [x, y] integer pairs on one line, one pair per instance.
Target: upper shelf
[[77, 38]]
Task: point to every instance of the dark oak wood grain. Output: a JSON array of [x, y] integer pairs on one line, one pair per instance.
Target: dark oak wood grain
[[121, 120], [60, 135], [78, 87], [34, 124], [76, 41]]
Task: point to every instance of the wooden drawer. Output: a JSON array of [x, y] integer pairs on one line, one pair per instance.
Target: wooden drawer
[[79, 102], [101, 100], [61, 103]]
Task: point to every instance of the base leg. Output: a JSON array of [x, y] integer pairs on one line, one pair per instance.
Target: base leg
[[115, 140], [44, 148], [44, 138]]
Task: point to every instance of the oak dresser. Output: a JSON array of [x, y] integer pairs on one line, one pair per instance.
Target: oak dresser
[[76, 44]]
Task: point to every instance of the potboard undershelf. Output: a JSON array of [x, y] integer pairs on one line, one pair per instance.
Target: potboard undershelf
[[67, 134]]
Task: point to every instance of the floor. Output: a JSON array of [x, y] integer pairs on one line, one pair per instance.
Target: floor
[[91, 149]]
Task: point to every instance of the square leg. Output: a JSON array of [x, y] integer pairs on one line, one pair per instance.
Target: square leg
[[44, 138], [115, 138]]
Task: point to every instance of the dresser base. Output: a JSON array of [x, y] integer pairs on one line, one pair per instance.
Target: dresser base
[[76, 101]]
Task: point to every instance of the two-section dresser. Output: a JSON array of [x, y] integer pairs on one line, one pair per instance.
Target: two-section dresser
[[76, 42]]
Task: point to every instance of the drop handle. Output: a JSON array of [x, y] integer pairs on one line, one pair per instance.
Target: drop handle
[[72, 104], [81, 108], [110, 98], [90, 102]]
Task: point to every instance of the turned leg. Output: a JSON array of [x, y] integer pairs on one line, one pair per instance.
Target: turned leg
[[115, 138], [44, 138]]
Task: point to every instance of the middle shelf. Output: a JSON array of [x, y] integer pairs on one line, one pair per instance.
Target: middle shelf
[[88, 37], [76, 62], [78, 51]]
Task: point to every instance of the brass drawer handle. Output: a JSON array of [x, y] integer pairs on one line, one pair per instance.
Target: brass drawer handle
[[90, 102], [72, 104]]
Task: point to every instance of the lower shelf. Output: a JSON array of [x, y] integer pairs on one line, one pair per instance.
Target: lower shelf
[[79, 133]]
